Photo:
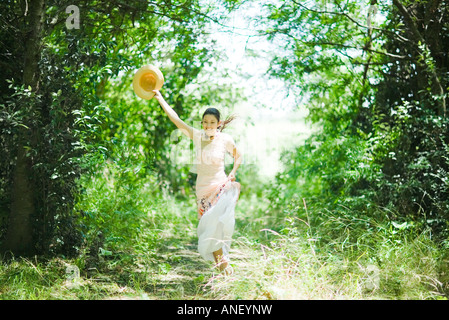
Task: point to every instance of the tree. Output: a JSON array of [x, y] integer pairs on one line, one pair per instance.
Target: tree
[[376, 87], [328, 58], [19, 236], [59, 111], [411, 103]]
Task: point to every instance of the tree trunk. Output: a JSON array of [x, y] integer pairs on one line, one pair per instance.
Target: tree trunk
[[437, 87], [19, 236]]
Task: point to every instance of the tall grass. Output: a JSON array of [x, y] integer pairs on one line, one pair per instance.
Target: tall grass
[[340, 257], [128, 225], [140, 243]]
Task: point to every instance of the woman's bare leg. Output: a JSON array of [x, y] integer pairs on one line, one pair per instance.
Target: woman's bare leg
[[222, 264]]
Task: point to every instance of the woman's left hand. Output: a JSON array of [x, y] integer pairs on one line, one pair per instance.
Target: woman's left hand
[[232, 176]]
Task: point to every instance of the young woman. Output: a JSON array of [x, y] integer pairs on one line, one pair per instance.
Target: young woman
[[216, 193]]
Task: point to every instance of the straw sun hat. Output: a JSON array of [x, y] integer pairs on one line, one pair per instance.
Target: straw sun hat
[[147, 79]]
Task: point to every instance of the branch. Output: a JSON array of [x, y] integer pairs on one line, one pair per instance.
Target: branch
[[365, 49], [351, 19], [331, 12], [409, 20], [329, 43], [431, 13]]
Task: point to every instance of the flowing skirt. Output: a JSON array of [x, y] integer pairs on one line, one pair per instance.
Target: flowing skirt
[[217, 220]]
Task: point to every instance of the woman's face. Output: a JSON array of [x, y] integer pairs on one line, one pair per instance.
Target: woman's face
[[210, 124]]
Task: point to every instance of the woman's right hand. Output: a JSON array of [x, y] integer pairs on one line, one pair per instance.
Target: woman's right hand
[[158, 95]]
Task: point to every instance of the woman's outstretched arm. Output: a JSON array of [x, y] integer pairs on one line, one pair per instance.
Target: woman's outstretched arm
[[173, 116]]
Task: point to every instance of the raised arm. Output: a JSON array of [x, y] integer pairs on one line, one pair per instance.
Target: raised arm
[[173, 116]]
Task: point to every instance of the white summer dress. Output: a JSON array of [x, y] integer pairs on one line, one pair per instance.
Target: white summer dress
[[216, 194]]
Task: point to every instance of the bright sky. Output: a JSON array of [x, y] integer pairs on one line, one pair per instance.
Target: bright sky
[[276, 128], [270, 121]]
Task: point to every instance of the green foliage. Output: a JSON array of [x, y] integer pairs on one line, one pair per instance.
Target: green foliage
[[409, 104], [323, 254], [127, 223], [360, 210], [373, 175], [382, 139], [84, 112], [113, 208]]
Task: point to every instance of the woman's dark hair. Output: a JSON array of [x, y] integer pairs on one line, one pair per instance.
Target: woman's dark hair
[[216, 113]]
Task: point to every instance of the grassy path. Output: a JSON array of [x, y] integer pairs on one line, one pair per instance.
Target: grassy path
[[258, 272], [181, 273], [182, 270], [162, 263]]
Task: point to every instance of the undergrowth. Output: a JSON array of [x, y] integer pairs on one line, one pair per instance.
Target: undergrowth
[[140, 243], [337, 256]]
